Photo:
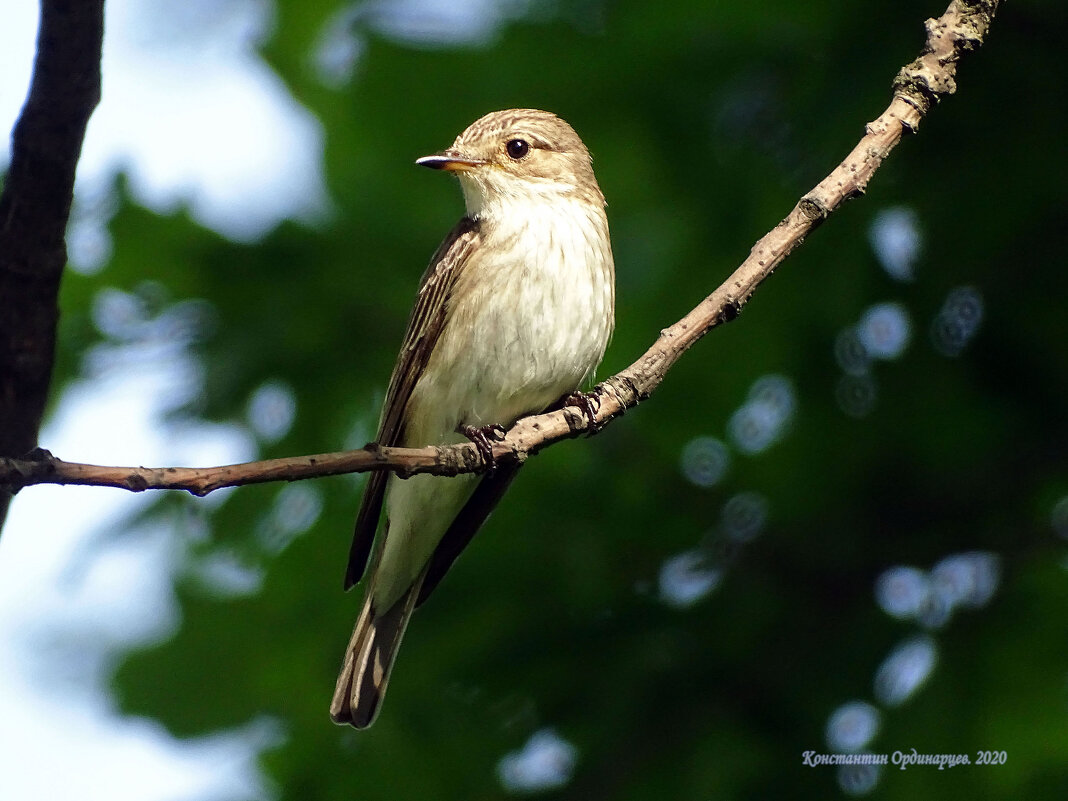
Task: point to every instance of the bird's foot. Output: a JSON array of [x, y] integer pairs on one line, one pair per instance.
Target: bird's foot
[[588, 403], [481, 437]]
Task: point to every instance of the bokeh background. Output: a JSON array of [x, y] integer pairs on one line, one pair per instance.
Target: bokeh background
[[839, 526]]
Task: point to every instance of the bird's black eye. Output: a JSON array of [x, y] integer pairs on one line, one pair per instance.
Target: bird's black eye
[[517, 148]]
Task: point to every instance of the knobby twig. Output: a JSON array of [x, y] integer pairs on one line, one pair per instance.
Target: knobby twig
[[917, 88], [34, 207]]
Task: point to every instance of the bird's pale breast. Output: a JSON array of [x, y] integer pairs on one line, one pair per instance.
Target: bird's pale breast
[[529, 320]]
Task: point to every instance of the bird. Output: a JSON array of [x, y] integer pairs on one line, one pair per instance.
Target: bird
[[513, 315]]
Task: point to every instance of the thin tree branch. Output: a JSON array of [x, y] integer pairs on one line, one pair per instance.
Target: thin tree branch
[[45, 146], [917, 88]]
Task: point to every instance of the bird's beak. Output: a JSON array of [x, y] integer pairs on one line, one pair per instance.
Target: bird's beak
[[453, 162]]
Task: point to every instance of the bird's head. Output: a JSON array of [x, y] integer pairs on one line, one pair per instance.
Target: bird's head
[[518, 156]]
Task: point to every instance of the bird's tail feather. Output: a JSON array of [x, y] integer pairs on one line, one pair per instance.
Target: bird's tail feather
[[369, 659]]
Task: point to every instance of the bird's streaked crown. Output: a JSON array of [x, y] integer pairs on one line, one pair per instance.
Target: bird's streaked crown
[[519, 151]]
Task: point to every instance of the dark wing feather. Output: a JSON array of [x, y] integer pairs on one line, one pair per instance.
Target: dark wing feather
[[463, 528], [424, 328]]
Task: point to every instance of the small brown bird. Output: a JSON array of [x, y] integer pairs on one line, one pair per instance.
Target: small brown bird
[[514, 312]]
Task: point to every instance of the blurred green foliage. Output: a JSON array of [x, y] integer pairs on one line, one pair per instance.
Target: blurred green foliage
[[707, 122]]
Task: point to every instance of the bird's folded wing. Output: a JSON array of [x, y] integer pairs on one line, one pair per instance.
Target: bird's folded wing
[[471, 517], [424, 328]]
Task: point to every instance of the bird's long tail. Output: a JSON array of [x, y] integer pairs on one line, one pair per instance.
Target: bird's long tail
[[369, 659]]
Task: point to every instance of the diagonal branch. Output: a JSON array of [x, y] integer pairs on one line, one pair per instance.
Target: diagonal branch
[[45, 146], [917, 88]]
